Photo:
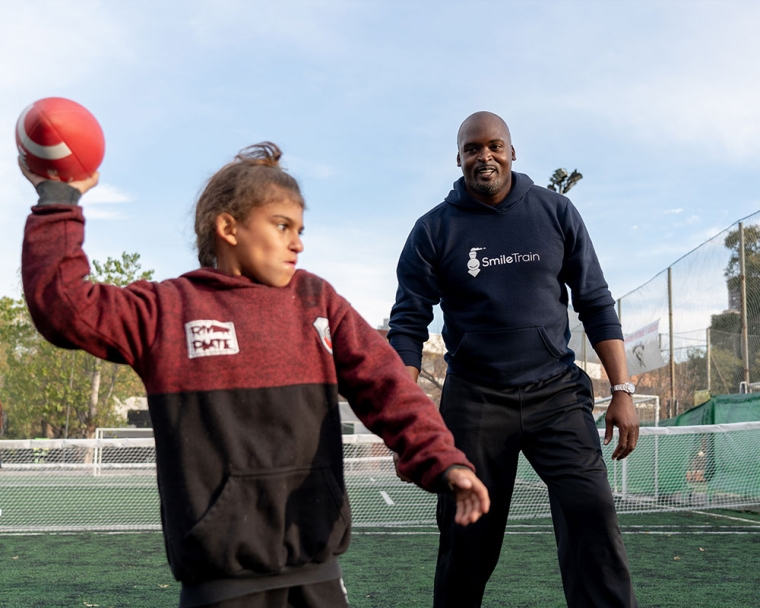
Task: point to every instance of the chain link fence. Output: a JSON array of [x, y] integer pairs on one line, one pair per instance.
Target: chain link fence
[[704, 310]]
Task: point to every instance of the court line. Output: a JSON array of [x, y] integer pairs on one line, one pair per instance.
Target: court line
[[387, 498], [359, 532], [752, 521], [356, 532]]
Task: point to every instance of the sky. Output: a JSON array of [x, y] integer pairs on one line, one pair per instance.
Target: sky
[[657, 104]]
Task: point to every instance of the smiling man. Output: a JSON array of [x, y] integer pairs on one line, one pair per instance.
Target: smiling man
[[485, 154], [499, 255]]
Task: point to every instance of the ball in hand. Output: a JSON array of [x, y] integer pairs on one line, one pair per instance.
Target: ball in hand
[[60, 140]]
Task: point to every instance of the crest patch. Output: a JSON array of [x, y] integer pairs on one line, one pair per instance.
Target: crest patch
[[322, 326]]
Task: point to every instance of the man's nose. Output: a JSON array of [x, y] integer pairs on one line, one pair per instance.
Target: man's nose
[[297, 244], [485, 154]]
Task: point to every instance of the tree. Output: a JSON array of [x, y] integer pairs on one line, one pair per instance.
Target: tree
[[725, 328], [561, 182], [51, 392], [752, 273], [434, 366], [120, 272]]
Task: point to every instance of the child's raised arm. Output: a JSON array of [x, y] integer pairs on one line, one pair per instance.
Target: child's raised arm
[[109, 322]]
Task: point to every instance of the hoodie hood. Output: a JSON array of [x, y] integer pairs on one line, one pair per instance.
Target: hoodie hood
[[459, 197], [220, 280]]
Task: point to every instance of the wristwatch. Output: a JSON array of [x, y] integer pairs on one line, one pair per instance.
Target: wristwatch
[[626, 387]]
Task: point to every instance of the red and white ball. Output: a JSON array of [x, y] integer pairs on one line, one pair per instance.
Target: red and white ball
[[59, 139]]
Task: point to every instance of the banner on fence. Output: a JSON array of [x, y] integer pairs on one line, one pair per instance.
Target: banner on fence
[[642, 349]]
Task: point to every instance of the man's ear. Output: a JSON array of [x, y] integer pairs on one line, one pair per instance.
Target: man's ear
[[459, 161], [514, 156], [226, 228]]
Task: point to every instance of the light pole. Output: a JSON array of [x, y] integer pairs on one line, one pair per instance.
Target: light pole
[[561, 182]]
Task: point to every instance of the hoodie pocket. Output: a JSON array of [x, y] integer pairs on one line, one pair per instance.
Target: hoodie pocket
[[265, 521], [511, 355]]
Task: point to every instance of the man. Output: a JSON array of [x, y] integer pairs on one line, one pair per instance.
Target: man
[[499, 254]]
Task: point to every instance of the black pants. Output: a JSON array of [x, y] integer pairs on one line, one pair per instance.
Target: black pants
[[551, 422]]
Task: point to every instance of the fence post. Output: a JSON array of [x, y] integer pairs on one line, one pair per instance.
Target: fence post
[[583, 350], [707, 357], [672, 348], [656, 469], [743, 292], [620, 310]]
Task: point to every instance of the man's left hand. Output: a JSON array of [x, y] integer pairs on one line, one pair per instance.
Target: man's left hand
[[622, 414]]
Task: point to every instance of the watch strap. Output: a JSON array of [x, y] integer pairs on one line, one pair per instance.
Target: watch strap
[[626, 387]]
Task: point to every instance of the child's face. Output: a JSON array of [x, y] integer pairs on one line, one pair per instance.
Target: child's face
[[269, 241]]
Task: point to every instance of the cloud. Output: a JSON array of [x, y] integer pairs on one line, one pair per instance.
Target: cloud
[[50, 40], [106, 194], [364, 92], [104, 214], [308, 27], [303, 167], [359, 262], [694, 92]]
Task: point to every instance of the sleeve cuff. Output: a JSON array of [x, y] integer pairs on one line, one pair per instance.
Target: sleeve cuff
[[443, 486], [408, 349], [52, 192]]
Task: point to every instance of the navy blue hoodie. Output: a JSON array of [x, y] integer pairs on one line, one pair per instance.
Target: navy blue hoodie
[[501, 275]]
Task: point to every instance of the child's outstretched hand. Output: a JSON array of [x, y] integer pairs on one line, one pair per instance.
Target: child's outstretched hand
[[82, 185], [470, 494]]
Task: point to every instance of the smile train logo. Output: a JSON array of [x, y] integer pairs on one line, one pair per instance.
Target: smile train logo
[[473, 264]]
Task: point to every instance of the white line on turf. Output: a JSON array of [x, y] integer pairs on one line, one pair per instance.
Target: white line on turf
[[701, 526], [682, 533], [751, 521], [624, 526], [356, 532], [647, 530], [387, 498]]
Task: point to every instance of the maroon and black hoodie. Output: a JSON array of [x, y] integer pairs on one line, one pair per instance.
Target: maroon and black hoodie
[[242, 382]]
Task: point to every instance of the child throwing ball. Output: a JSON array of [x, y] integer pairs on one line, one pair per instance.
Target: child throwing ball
[[242, 361]]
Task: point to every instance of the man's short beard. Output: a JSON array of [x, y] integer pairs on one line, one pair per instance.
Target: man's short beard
[[487, 189]]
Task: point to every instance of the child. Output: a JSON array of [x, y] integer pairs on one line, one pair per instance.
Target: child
[[242, 362]]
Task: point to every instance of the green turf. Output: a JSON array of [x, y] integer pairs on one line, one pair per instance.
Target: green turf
[[94, 504], [718, 565]]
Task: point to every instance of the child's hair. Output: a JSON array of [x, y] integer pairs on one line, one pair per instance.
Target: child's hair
[[244, 183]]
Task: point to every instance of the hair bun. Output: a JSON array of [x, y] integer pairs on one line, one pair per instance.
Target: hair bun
[[266, 154]]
